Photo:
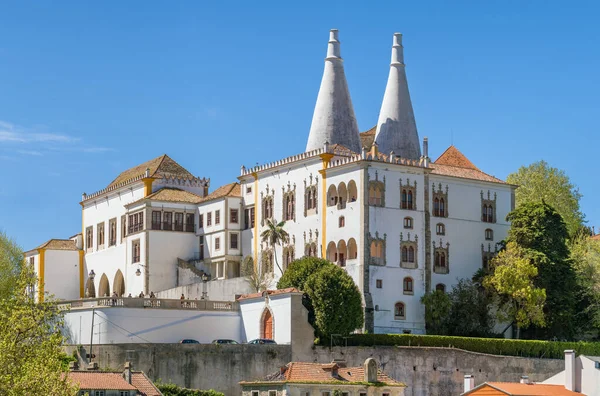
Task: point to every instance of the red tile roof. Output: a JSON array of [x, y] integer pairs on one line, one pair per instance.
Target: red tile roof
[[303, 372], [453, 157], [270, 293], [143, 384], [518, 389], [454, 163], [162, 166], [171, 194], [228, 190], [57, 244], [367, 138], [101, 380]]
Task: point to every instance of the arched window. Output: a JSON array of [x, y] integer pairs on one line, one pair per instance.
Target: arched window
[[484, 213], [332, 198], [411, 254], [404, 254], [442, 208], [408, 223], [352, 191], [399, 311], [486, 262], [436, 207], [490, 214], [440, 229], [377, 249], [443, 260], [408, 285], [342, 221], [410, 200], [440, 287], [404, 199], [352, 249], [489, 234]]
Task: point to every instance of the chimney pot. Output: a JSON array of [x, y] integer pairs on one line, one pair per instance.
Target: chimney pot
[[370, 367], [469, 383], [127, 372]]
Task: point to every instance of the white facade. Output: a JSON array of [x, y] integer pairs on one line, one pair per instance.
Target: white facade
[[581, 374]]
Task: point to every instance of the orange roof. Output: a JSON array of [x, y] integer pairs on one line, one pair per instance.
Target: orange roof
[[57, 244], [518, 389], [100, 380], [228, 190], [367, 138], [144, 385], [159, 167], [171, 194], [338, 149], [454, 163], [303, 372], [596, 237], [270, 293]]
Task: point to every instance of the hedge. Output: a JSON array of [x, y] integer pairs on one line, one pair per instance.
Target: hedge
[[494, 346], [174, 390]]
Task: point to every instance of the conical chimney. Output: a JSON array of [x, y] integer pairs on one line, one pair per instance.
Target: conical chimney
[[396, 127], [334, 120]]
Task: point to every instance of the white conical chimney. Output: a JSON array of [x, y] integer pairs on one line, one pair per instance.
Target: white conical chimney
[[333, 120], [396, 127]]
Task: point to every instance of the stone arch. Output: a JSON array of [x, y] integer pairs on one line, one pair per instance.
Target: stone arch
[[90, 289], [267, 324], [342, 253], [352, 191], [352, 249], [119, 284], [332, 252], [342, 194], [332, 196], [104, 287]]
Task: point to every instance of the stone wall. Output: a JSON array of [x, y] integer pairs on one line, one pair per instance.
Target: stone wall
[[426, 371]]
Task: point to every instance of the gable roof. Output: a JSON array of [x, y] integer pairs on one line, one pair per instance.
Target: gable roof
[[453, 157], [519, 389], [304, 372], [367, 138], [455, 164], [57, 244], [172, 194], [228, 190], [162, 166], [99, 380]]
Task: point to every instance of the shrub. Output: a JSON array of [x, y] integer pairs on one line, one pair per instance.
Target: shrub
[[174, 390], [494, 346]]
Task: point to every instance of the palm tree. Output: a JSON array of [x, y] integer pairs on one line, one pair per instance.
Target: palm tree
[[275, 235]]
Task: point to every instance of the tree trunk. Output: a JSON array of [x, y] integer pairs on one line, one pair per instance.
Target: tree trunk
[[275, 258]]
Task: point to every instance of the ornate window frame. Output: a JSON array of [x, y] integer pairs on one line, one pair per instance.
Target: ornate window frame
[[488, 215], [288, 202], [487, 256], [408, 281], [442, 197], [440, 250], [377, 185], [399, 315], [311, 246], [289, 254], [409, 192], [267, 205], [379, 261], [267, 260], [440, 229], [405, 258], [311, 190]]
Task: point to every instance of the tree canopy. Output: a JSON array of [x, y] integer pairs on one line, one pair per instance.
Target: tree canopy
[[331, 296], [585, 259], [541, 182]]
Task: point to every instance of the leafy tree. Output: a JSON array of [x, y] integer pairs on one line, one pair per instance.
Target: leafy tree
[[540, 230], [256, 277], [437, 308], [331, 296], [512, 279], [539, 181], [470, 314], [31, 359], [275, 235], [175, 390], [585, 259], [11, 261]]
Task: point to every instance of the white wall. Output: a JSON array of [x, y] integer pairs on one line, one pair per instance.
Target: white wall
[[281, 309], [164, 249], [61, 274]]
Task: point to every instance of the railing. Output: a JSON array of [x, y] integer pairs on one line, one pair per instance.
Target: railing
[[150, 303], [135, 228], [178, 227], [156, 225], [167, 226], [341, 204], [190, 227]]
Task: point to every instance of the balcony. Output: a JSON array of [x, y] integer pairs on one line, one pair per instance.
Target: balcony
[[167, 226], [156, 225], [150, 303], [190, 227], [135, 228], [178, 227]]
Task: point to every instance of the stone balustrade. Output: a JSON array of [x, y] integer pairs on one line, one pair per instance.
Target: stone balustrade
[[150, 303]]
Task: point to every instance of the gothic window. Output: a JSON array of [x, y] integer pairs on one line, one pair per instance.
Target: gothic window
[[440, 201], [89, 238], [487, 256], [440, 264], [488, 208], [267, 207], [123, 227], [377, 249], [408, 285], [112, 232], [440, 287], [440, 229], [489, 235], [399, 311], [408, 222], [289, 203], [310, 198], [310, 249], [288, 256], [342, 221], [267, 261], [408, 251], [377, 191], [100, 235]]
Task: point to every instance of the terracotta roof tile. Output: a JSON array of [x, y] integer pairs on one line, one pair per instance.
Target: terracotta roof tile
[[596, 237], [144, 385], [100, 380], [303, 372], [518, 389], [58, 244], [159, 167], [171, 194], [228, 190], [270, 293], [453, 157], [454, 163], [367, 138], [338, 149]]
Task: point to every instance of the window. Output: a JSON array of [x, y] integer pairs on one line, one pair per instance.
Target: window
[[168, 221], [189, 222], [289, 206], [342, 221], [201, 221], [408, 285], [89, 238], [124, 393], [267, 209], [385, 393], [363, 394], [379, 283], [407, 197], [489, 235], [440, 264], [100, 235], [178, 223], [440, 287], [201, 254], [233, 241], [32, 261], [123, 227], [112, 232], [488, 208], [99, 393], [217, 243], [408, 222], [136, 222], [325, 393], [248, 218], [233, 216], [156, 217], [399, 311], [376, 194], [217, 217], [209, 219], [248, 189], [255, 393], [135, 251], [310, 200], [440, 229], [272, 393]]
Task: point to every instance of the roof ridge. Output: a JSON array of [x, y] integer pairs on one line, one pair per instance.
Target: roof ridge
[[160, 163]]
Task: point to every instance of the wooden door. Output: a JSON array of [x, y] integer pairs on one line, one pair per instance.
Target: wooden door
[[268, 325]]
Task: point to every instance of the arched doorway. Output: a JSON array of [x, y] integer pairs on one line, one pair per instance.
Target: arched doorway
[[119, 284], [104, 288], [90, 289], [267, 324]]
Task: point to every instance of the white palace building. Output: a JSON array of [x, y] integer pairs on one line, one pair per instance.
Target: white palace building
[[373, 203]]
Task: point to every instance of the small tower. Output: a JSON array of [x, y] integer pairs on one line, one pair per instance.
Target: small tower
[[334, 120], [396, 127]]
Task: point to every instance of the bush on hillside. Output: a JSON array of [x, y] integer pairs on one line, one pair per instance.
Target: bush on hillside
[[174, 390]]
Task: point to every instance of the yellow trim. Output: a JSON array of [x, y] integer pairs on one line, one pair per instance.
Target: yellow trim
[[325, 158], [255, 175], [81, 275], [147, 186], [41, 275]]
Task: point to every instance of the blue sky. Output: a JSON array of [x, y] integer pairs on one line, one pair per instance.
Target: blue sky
[[88, 89]]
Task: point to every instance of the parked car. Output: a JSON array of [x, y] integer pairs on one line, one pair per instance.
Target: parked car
[[188, 341], [262, 341], [232, 342]]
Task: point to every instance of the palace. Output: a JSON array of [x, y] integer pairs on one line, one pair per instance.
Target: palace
[[373, 203]]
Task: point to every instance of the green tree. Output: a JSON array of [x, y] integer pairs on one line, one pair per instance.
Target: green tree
[[11, 261], [539, 181], [275, 235], [31, 358], [331, 296], [257, 278], [512, 279], [470, 311], [585, 259], [175, 390], [540, 230], [437, 308]]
